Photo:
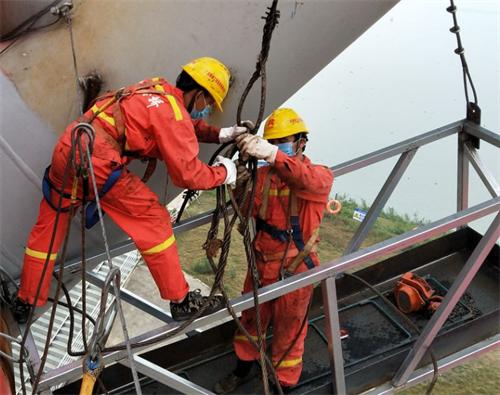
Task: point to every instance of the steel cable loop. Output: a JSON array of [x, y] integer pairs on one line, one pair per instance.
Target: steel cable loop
[[452, 9], [78, 146], [264, 360], [114, 272]]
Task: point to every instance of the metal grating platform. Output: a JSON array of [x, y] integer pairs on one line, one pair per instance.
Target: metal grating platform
[[58, 355]]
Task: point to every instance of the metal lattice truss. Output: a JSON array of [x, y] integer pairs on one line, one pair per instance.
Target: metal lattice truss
[[469, 134]]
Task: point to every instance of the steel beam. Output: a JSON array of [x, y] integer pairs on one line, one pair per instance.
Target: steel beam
[[444, 364], [332, 330], [134, 300], [380, 201], [166, 377], [452, 297], [73, 370], [32, 350], [486, 176], [462, 174], [482, 133], [343, 168], [397, 149]]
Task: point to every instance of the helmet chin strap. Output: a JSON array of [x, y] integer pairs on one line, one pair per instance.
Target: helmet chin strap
[[191, 102], [300, 146]]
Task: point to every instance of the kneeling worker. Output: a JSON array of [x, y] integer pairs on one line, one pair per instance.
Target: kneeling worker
[[291, 194], [149, 120]]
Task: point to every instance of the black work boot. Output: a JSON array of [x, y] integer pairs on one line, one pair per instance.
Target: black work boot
[[20, 310], [192, 303], [234, 379]]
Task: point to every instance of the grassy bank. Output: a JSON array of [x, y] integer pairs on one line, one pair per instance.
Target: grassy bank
[[336, 231]]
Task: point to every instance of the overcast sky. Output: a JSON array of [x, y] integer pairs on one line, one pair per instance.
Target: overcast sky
[[398, 80]]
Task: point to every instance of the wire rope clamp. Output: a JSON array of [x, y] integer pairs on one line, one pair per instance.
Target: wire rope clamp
[[212, 247]]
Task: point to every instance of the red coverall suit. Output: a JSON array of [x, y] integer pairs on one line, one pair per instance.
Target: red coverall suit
[[311, 184], [156, 126]]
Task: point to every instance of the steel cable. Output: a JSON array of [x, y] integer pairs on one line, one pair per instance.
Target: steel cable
[[452, 9]]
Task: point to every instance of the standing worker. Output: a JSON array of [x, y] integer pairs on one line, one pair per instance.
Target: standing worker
[[290, 199], [149, 120]]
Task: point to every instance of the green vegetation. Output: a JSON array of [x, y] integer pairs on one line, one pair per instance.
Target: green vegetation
[[478, 377]]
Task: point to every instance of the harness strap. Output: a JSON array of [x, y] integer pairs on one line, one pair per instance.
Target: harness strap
[[47, 186], [276, 233], [150, 169], [282, 235], [304, 254], [91, 212], [265, 195]]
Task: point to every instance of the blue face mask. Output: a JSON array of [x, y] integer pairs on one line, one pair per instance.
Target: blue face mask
[[286, 148], [203, 114]]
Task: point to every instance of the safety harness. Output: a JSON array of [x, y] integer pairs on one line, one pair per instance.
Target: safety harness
[[301, 251], [119, 142]]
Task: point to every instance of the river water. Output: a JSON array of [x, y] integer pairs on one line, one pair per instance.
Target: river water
[[401, 79]]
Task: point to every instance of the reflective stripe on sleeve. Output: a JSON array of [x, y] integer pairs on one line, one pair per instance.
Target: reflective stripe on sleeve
[[39, 254], [160, 247]]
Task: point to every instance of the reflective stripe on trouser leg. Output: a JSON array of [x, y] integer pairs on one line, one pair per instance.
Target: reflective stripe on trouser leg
[[242, 346], [288, 313], [135, 208], [36, 253]]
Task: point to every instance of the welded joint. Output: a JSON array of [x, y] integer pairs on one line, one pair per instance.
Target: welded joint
[[486, 176]]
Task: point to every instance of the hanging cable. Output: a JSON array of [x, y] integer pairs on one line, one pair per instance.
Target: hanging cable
[[28, 26], [64, 11], [473, 111], [271, 18], [114, 273]]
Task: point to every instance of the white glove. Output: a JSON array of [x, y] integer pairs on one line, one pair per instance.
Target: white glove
[[230, 169], [229, 134], [257, 147]]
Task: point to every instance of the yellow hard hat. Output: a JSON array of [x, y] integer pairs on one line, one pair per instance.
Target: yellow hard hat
[[211, 75], [283, 122]]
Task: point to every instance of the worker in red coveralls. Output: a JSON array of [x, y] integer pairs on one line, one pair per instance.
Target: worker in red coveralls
[[291, 194], [149, 120]]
